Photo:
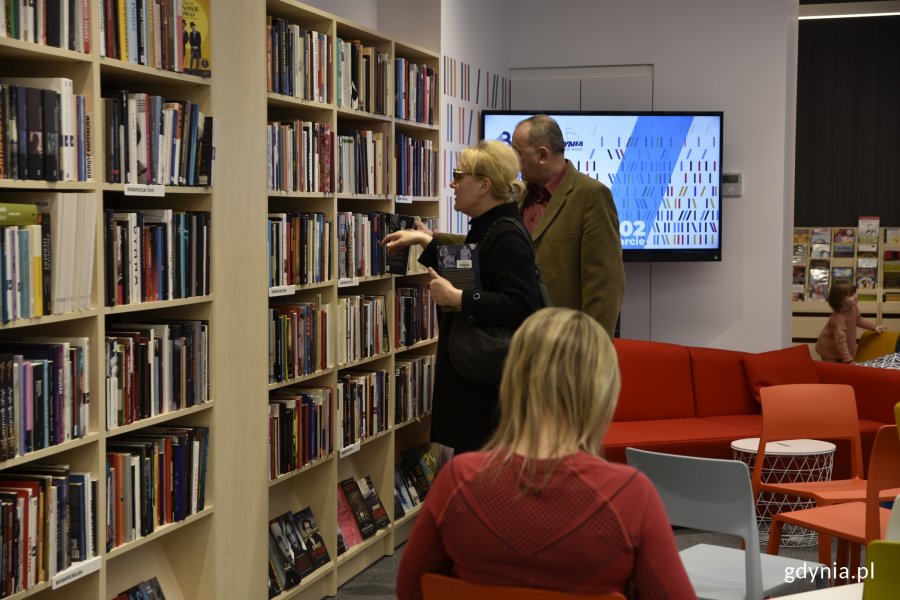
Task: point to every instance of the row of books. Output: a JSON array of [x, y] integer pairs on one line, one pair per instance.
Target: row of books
[[866, 256], [301, 422], [299, 343], [299, 246], [155, 368], [45, 130], [360, 512], [362, 167], [154, 141], [62, 24], [362, 329], [415, 89], [299, 156], [153, 477], [363, 74], [145, 590], [44, 393], [414, 473], [153, 255], [413, 387], [298, 61], [416, 167], [415, 315], [296, 549], [47, 523], [360, 253], [362, 405], [165, 34]]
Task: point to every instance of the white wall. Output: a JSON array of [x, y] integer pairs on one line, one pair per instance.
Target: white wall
[[359, 12], [477, 32], [417, 23], [730, 55]]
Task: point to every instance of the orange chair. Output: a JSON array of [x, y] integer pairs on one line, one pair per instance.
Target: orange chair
[[853, 523], [441, 587], [816, 411]]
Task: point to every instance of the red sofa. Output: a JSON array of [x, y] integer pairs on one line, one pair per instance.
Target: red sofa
[[696, 401]]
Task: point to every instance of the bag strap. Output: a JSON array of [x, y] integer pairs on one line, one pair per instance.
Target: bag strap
[[544, 292]]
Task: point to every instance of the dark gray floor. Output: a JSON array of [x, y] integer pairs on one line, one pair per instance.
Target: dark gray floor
[[377, 582]]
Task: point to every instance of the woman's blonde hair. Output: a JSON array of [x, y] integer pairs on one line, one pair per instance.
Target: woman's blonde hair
[[498, 163], [561, 380]]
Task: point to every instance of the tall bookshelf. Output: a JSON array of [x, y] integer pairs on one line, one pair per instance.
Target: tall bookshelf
[[179, 554], [315, 484], [222, 551]]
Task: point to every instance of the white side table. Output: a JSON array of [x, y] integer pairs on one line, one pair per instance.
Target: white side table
[[787, 461]]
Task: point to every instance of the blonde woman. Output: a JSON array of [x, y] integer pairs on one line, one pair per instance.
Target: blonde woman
[[538, 507], [485, 184]]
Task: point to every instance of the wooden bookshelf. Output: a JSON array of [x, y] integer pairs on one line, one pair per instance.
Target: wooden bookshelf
[[222, 550]]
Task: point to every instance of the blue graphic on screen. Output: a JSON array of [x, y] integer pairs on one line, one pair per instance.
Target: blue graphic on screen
[[662, 169]]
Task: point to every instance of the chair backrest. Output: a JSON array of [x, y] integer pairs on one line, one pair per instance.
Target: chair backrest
[[709, 494], [884, 473], [872, 345], [821, 411], [441, 587], [893, 529], [883, 578]]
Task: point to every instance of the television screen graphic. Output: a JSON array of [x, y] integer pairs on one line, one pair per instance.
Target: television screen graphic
[[663, 169]]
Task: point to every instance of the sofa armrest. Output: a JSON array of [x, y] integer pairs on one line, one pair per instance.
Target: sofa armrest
[[876, 390]]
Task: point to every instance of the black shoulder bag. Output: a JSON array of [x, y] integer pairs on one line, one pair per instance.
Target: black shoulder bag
[[477, 352]]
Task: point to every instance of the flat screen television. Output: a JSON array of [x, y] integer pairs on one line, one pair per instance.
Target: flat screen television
[[664, 170]]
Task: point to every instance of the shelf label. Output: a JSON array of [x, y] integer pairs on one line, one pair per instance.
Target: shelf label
[[354, 447], [282, 290], [76, 571], [348, 282], [403, 199], [140, 189]]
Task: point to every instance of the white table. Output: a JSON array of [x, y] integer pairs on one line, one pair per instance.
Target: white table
[[787, 461]]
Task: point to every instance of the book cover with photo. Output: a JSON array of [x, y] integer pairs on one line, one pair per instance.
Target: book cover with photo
[[801, 235], [358, 507], [459, 265], [291, 543], [309, 529], [820, 235], [376, 508], [348, 530], [285, 573], [397, 260], [196, 38], [842, 274], [843, 250], [844, 234]]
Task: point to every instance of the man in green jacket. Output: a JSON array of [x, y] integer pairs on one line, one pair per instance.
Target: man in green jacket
[[573, 222]]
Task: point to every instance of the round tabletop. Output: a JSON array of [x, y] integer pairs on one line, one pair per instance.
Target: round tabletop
[[793, 447]]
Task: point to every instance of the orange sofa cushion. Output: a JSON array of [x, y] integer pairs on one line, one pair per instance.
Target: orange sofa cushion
[[695, 437], [779, 367], [720, 383], [656, 381]]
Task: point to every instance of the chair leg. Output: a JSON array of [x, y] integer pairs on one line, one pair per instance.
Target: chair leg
[[775, 536], [842, 560], [825, 549]]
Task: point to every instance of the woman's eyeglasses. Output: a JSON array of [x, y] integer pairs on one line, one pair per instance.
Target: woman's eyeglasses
[[458, 175]]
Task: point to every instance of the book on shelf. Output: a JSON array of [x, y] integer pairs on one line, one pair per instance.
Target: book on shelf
[[358, 507], [284, 529], [842, 274], [309, 529], [892, 236], [843, 249], [820, 251], [868, 230], [145, 590], [286, 575], [820, 235], [348, 531], [844, 234], [197, 55], [376, 508]]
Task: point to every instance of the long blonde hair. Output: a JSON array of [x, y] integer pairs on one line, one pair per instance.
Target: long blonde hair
[[498, 163], [560, 381]]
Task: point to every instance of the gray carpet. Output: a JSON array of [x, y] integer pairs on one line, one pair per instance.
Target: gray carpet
[[377, 582]]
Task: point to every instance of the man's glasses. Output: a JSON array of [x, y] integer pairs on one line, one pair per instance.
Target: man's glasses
[[458, 175]]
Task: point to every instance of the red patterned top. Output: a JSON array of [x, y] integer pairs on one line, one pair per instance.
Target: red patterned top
[[594, 527]]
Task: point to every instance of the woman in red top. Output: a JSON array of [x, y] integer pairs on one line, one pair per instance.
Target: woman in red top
[[837, 340], [538, 507]]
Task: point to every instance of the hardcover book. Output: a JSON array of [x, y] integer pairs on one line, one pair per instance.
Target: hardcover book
[[358, 508], [309, 529], [376, 508], [398, 259], [459, 265]]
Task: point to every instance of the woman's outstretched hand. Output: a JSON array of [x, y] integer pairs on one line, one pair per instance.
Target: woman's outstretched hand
[[405, 237]]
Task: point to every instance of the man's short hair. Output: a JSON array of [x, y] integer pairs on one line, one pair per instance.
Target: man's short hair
[[545, 132]]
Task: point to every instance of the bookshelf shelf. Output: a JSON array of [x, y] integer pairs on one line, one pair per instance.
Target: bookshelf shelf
[[414, 126], [417, 345], [160, 532], [302, 378], [12, 48], [34, 184], [322, 462], [142, 306], [39, 455], [169, 189], [350, 114], [408, 517], [125, 71], [159, 419], [364, 361], [49, 319], [280, 100]]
